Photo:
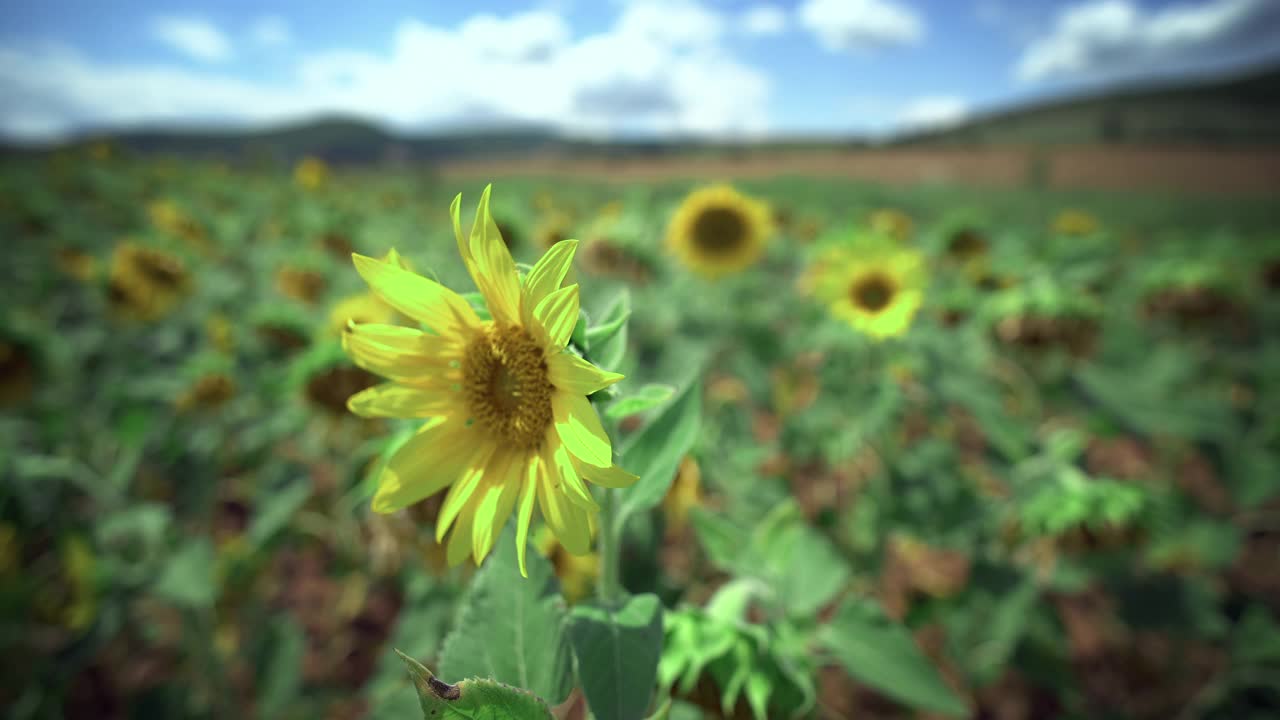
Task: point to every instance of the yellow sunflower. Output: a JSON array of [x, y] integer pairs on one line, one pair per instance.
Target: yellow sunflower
[[717, 231], [892, 223], [311, 173], [360, 308], [508, 418], [1075, 222], [145, 282], [577, 573], [876, 289]]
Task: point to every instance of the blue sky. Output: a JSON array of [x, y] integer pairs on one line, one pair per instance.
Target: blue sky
[[722, 68]]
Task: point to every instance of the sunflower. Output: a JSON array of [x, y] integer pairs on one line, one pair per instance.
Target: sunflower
[[1075, 222], [145, 282], [208, 392], [311, 173], [509, 420], [577, 573], [891, 223], [876, 289], [684, 494], [300, 284], [552, 228], [717, 231]]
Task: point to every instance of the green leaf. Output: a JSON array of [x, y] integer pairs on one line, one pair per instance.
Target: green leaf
[[188, 577], [618, 653], [607, 342], [282, 677], [883, 654], [512, 629], [646, 398], [275, 510], [472, 699], [656, 450]]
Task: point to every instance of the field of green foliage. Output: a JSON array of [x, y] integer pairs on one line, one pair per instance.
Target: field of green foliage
[[1046, 486]]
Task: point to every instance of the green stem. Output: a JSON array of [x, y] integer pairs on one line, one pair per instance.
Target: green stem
[[608, 586]]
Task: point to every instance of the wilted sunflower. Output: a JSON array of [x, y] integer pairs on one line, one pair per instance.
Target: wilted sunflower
[[717, 231], [145, 282], [877, 290], [509, 418]]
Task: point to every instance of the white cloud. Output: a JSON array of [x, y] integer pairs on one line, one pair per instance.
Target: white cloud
[[1118, 37], [270, 31], [933, 111], [621, 80], [763, 20], [853, 25], [194, 37], [671, 22]]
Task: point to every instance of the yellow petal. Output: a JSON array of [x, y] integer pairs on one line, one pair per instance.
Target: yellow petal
[[547, 274], [426, 301], [575, 376], [462, 491], [491, 266], [564, 476], [524, 515], [579, 429], [610, 477], [391, 400], [460, 541], [570, 523], [400, 353], [432, 459], [558, 313], [495, 499]]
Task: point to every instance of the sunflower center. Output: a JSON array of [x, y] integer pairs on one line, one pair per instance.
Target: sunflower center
[[873, 292], [506, 386], [720, 230]]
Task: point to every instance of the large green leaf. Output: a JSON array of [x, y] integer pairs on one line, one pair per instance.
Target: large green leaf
[[618, 651], [472, 699], [883, 654], [512, 629], [655, 452], [607, 342]]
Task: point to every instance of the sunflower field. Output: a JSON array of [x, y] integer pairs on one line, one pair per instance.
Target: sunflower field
[[308, 442]]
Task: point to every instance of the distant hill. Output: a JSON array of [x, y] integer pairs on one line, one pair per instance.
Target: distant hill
[[1234, 109], [1239, 109]]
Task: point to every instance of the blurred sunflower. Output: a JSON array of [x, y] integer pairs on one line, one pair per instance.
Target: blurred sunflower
[[78, 264], [684, 494], [509, 418], [1075, 222], [208, 392], [577, 573], [311, 173], [891, 223], [169, 219], [717, 231], [966, 245], [144, 282], [221, 334], [17, 372], [876, 289], [300, 284], [553, 227]]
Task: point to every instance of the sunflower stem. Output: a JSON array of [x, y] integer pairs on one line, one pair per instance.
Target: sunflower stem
[[609, 586]]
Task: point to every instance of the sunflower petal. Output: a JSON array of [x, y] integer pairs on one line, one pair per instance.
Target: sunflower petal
[[570, 523], [399, 352], [610, 477], [462, 491], [426, 301], [565, 477], [558, 313], [494, 502], [524, 515], [573, 375], [460, 541], [432, 459], [547, 274], [491, 266], [580, 430], [392, 400]]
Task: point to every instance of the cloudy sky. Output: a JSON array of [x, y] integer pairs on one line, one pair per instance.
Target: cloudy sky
[[725, 68]]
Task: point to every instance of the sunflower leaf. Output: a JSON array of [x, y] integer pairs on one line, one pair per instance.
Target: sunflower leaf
[[510, 629], [618, 651], [656, 451], [607, 342], [473, 698], [646, 398]]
